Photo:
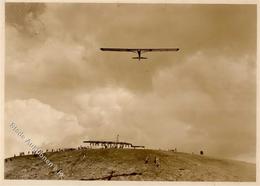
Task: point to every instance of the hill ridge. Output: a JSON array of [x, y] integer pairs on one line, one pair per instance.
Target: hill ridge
[[130, 164]]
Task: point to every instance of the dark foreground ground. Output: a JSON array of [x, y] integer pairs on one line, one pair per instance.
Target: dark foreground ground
[[129, 164]]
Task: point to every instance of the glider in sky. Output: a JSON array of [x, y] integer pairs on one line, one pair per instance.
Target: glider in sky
[[139, 51]]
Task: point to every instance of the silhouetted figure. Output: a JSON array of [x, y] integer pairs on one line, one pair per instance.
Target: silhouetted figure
[[34, 153], [146, 160], [201, 152], [60, 174], [156, 161]]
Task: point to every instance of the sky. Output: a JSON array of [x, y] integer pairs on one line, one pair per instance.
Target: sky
[[61, 89]]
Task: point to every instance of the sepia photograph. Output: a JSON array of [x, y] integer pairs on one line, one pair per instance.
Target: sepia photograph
[[130, 92]]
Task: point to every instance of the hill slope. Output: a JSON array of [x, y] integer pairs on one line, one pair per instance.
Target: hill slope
[[129, 164]]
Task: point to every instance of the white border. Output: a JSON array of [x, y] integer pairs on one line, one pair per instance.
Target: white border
[[67, 182]]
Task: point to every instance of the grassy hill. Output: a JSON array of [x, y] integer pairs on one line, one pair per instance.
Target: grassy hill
[[129, 164]]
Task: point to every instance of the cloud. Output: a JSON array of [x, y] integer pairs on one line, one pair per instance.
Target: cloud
[[45, 126], [100, 112], [65, 54], [200, 104], [22, 11]]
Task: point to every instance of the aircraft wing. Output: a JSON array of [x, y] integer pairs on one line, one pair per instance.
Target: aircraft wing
[[159, 49], [119, 49], [135, 50]]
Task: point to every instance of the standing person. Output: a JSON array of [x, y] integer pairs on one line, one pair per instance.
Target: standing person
[[156, 161], [146, 160]]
